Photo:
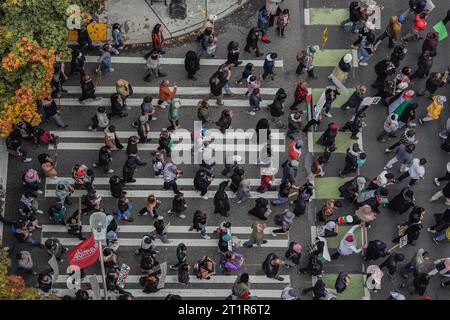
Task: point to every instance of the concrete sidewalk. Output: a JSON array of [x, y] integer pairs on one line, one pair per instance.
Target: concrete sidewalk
[[137, 17]]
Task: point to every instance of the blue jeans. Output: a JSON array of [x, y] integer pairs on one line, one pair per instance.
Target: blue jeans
[[227, 89], [280, 200], [441, 237], [354, 24], [32, 241], [363, 55], [106, 65]]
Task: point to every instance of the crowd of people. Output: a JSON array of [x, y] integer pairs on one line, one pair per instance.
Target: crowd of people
[[369, 195]]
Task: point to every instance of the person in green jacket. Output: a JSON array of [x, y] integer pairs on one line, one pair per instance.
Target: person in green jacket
[[57, 212], [181, 256]]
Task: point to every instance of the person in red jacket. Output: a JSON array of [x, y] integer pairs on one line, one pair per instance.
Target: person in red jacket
[[157, 40], [295, 150], [301, 92], [419, 25]]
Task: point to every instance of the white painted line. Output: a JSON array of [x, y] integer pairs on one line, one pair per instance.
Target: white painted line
[[69, 102], [142, 229], [310, 142], [155, 90], [180, 61], [307, 17], [366, 291], [4, 155], [186, 293], [360, 140], [377, 18], [355, 58], [179, 134], [164, 194], [153, 181], [225, 147], [132, 279], [130, 242]]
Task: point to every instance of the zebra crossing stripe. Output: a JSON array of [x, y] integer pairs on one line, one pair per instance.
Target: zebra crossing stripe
[[180, 61], [307, 17], [186, 293], [179, 134], [217, 279], [153, 181], [164, 193], [70, 102], [180, 90], [131, 242], [225, 147], [142, 229]]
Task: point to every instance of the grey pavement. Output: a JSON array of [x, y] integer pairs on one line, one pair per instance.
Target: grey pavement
[[235, 27]]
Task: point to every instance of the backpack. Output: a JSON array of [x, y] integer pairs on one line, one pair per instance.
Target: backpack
[[316, 265], [116, 186], [278, 219]]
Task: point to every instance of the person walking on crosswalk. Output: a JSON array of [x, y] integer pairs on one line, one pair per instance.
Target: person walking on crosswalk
[[118, 107], [178, 206], [181, 254], [202, 180], [170, 174], [161, 229], [153, 64], [111, 138], [271, 266], [199, 224], [191, 64], [100, 120], [165, 94], [87, 89], [151, 205], [252, 41], [104, 159], [132, 150], [128, 170], [124, 207], [165, 142], [221, 201], [269, 65], [233, 54]]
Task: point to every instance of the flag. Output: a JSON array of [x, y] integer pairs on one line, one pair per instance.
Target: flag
[[441, 29], [84, 254], [324, 37], [399, 105]]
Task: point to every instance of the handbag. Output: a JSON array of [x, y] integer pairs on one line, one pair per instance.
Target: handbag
[[401, 230], [130, 90]]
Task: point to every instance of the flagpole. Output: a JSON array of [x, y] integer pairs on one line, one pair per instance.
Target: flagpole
[[103, 269]]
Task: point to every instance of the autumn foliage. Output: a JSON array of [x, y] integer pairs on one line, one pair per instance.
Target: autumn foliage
[[32, 34], [12, 287]]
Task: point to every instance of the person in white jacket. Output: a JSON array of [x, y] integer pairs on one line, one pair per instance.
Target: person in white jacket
[[348, 244], [416, 172]]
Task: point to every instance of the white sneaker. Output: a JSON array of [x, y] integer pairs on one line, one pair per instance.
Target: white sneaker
[[94, 165], [90, 128], [274, 234], [252, 113], [387, 150], [39, 192], [161, 106], [205, 197], [27, 160], [206, 237], [111, 70], [431, 230], [327, 115], [442, 136], [40, 211], [181, 216], [436, 182], [110, 170], [364, 64], [145, 213], [154, 118]]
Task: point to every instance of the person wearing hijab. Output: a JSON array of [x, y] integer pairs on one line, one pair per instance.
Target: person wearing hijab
[[328, 138], [341, 71]]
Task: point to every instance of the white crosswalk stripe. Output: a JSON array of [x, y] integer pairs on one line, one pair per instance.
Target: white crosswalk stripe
[[153, 181], [254, 279], [187, 293], [136, 242], [227, 147], [179, 134], [180, 61], [141, 229], [163, 193], [68, 102], [191, 91]]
